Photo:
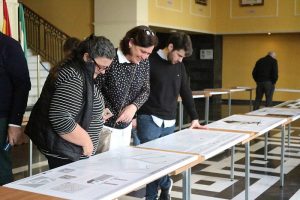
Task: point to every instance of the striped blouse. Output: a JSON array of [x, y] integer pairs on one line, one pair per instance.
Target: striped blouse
[[66, 103]]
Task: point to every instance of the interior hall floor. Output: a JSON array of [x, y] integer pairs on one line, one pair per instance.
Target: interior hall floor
[[210, 179]]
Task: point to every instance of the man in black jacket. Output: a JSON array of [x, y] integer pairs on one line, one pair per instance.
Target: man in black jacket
[[156, 118], [265, 74], [14, 89]]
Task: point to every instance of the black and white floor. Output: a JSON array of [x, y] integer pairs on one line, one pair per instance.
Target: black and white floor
[[210, 180]]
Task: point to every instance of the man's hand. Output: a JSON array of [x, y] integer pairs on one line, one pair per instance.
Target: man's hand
[[195, 124], [14, 135], [127, 114]]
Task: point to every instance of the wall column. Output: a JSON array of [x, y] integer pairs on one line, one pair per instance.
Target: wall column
[[114, 18]]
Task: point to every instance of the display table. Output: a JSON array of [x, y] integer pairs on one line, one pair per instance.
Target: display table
[[259, 125], [205, 143], [107, 175], [14, 194]]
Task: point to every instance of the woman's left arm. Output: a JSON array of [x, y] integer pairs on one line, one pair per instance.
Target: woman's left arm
[[65, 106]]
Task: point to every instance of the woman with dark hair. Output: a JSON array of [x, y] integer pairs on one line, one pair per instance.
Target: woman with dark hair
[[125, 86], [70, 106], [70, 45]]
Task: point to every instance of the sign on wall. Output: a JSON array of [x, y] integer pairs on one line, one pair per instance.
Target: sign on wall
[[206, 54]]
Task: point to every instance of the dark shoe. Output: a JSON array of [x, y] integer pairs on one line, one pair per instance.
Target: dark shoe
[[165, 193]]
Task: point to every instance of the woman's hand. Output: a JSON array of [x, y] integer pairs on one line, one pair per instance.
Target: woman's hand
[[127, 114], [81, 138], [88, 148]]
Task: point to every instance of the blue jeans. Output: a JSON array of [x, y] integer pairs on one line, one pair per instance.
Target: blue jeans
[[147, 130], [136, 140], [6, 175]]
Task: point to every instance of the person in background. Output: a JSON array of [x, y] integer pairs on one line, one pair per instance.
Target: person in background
[[70, 45], [14, 89], [156, 118], [74, 93], [265, 74], [125, 86]]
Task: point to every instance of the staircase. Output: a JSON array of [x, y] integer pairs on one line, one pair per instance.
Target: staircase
[[35, 67], [47, 41]]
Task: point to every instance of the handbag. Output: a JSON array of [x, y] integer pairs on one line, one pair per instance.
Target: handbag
[[104, 140]]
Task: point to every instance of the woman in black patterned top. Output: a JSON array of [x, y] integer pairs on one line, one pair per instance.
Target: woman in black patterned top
[[74, 94], [125, 86]]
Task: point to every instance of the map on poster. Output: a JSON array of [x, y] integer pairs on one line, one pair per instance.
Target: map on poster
[[290, 104], [277, 112], [105, 176], [257, 124], [206, 143]]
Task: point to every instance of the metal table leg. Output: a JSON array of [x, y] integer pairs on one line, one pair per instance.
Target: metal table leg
[[247, 170], [266, 145], [30, 159], [282, 156], [250, 103], [229, 103], [289, 134], [180, 115], [206, 110], [186, 193], [232, 163]]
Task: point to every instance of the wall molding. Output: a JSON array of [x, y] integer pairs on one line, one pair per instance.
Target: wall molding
[[181, 28], [256, 16], [200, 6], [180, 10], [296, 5]]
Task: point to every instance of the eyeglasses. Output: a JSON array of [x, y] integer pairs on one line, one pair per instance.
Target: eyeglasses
[[100, 67]]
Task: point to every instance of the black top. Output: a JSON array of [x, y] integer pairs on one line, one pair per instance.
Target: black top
[[266, 69], [167, 82], [14, 80]]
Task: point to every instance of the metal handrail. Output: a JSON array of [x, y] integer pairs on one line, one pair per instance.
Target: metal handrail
[[43, 37], [45, 68]]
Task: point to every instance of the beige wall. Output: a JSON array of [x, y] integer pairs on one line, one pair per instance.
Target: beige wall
[[242, 45], [113, 19], [239, 25], [242, 51], [183, 15], [277, 16], [74, 17]]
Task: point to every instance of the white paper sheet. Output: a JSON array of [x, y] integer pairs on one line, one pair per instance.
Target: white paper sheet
[[105, 176], [237, 90], [293, 114], [295, 104], [255, 124], [207, 143]]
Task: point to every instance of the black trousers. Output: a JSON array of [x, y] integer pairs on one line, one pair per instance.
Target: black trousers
[[6, 175], [54, 162], [264, 88]]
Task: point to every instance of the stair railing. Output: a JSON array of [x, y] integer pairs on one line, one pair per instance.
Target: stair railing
[[43, 37]]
